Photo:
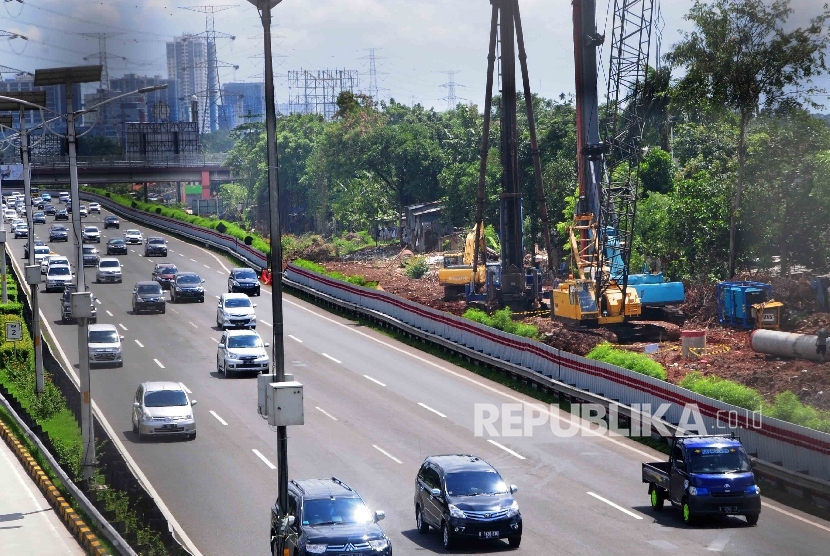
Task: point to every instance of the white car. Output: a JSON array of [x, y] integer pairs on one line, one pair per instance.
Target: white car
[[83, 211], [235, 310], [134, 237], [109, 270], [162, 409], [41, 252], [63, 197], [105, 344], [9, 214], [91, 234], [36, 200], [241, 351], [58, 276], [95, 207], [21, 230], [44, 263]]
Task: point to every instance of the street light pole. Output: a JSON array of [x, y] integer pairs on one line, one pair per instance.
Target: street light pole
[[7, 122], [264, 7]]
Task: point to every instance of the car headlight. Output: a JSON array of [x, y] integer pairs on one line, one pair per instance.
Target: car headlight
[[262, 359], [455, 512], [146, 416], [379, 544], [513, 510], [753, 490], [698, 491], [315, 548], [189, 416]]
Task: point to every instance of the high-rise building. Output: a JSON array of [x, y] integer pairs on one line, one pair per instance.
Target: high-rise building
[[243, 103], [55, 100], [187, 66]]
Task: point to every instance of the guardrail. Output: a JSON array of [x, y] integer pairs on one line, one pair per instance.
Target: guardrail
[[781, 451]]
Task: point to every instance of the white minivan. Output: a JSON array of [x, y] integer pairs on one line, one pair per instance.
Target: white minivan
[[105, 344]]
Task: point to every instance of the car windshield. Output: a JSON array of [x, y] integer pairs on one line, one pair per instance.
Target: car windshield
[[246, 341], [189, 279], [165, 398], [155, 241], [58, 271], [237, 302], [38, 214], [103, 337], [87, 250], [90, 229], [109, 264], [327, 511], [149, 289], [246, 274], [111, 219], [42, 251], [116, 241], [133, 233], [168, 269], [718, 460], [472, 483]]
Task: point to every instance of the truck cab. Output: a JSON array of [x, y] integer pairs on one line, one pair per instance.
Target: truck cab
[[705, 476]]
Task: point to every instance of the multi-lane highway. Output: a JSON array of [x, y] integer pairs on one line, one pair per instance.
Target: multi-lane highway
[[374, 409]]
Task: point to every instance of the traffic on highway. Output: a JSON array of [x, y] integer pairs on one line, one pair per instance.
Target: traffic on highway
[[383, 422]]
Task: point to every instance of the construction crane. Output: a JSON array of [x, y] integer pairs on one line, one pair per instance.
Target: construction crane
[[608, 170], [512, 284]]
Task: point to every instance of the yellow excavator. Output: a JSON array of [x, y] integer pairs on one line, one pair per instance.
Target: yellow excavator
[[458, 266]]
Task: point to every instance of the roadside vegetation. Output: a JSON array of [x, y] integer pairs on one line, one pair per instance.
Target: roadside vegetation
[[503, 320], [320, 269]]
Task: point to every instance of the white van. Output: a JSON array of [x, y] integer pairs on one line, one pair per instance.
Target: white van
[[105, 344]]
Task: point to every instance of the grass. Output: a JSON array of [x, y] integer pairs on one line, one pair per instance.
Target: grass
[[636, 362], [723, 390], [502, 320], [320, 269]]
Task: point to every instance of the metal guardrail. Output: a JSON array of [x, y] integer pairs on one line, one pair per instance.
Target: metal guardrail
[[100, 522], [156, 161]]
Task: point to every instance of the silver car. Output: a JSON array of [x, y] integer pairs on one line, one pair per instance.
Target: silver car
[[109, 270], [163, 408], [241, 351], [105, 344], [57, 277], [235, 310]]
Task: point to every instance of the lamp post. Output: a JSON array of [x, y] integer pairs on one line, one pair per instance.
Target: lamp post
[[5, 121], [34, 98], [264, 7], [69, 76]]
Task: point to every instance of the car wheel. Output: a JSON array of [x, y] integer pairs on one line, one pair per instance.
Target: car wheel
[[192, 436], [201, 300], [752, 519], [163, 309], [656, 499], [688, 518], [135, 428], [140, 436], [419, 521], [446, 536], [514, 541], [225, 371]]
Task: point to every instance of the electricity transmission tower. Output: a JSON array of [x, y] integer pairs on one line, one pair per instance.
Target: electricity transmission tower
[[102, 57], [450, 86], [374, 89], [213, 91]]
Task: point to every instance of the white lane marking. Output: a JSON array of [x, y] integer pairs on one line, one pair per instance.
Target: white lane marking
[[193, 325], [185, 388], [139, 344], [181, 255], [327, 356], [158, 363], [206, 266], [610, 503], [175, 311], [385, 453], [794, 516], [131, 463], [376, 381], [218, 418], [217, 297], [506, 449], [428, 408], [108, 312], [720, 542], [265, 322], [151, 260], [194, 260], [132, 250], [220, 272], [536, 405], [326, 413], [263, 458], [296, 339], [122, 326], [170, 251], [214, 339], [98, 301]]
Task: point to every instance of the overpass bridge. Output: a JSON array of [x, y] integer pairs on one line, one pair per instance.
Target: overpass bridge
[[203, 169]]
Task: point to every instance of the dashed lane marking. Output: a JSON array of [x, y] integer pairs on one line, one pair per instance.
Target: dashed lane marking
[[428, 408], [263, 458], [327, 356], [385, 453], [326, 413], [218, 418], [506, 449], [159, 363], [139, 344], [376, 381], [296, 339], [613, 505]]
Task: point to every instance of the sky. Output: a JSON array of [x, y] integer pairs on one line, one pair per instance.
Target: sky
[[420, 45]]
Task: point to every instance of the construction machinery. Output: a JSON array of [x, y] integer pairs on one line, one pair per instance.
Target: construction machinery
[[601, 236], [457, 271], [748, 305], [511, 284]]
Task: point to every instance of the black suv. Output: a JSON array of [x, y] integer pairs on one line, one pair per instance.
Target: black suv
[[243, 280], [155, 246], [112, 222], [147, 296], [116, 246], [330, 517], [465, 497], [187, 285]]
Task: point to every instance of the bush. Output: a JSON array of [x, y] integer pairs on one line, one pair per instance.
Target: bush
[[636, 362], [788, 407], [723, 390], [416, 267], [503, 320], [320, 269]]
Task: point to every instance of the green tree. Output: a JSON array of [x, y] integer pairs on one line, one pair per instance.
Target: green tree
[[219, 141], [656, 171], [739, 57]]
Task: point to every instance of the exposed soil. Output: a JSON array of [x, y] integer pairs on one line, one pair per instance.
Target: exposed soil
[[728, 355]]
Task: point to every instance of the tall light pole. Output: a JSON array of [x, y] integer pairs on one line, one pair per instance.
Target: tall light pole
[[37, 98], [264, 7], [5, 121]]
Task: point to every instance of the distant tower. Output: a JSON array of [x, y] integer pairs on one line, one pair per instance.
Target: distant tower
[[374, 89], [213, 91], [450, 86], [102, 57]]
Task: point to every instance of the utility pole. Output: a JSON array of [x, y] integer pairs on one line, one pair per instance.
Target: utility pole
[[5, 121]]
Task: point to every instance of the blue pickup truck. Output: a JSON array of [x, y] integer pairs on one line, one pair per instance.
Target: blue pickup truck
[[705, 476]]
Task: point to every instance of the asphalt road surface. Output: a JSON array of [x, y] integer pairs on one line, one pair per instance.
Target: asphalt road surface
[[374, 409]]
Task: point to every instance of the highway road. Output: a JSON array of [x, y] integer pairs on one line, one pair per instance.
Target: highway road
[[374, 410]]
